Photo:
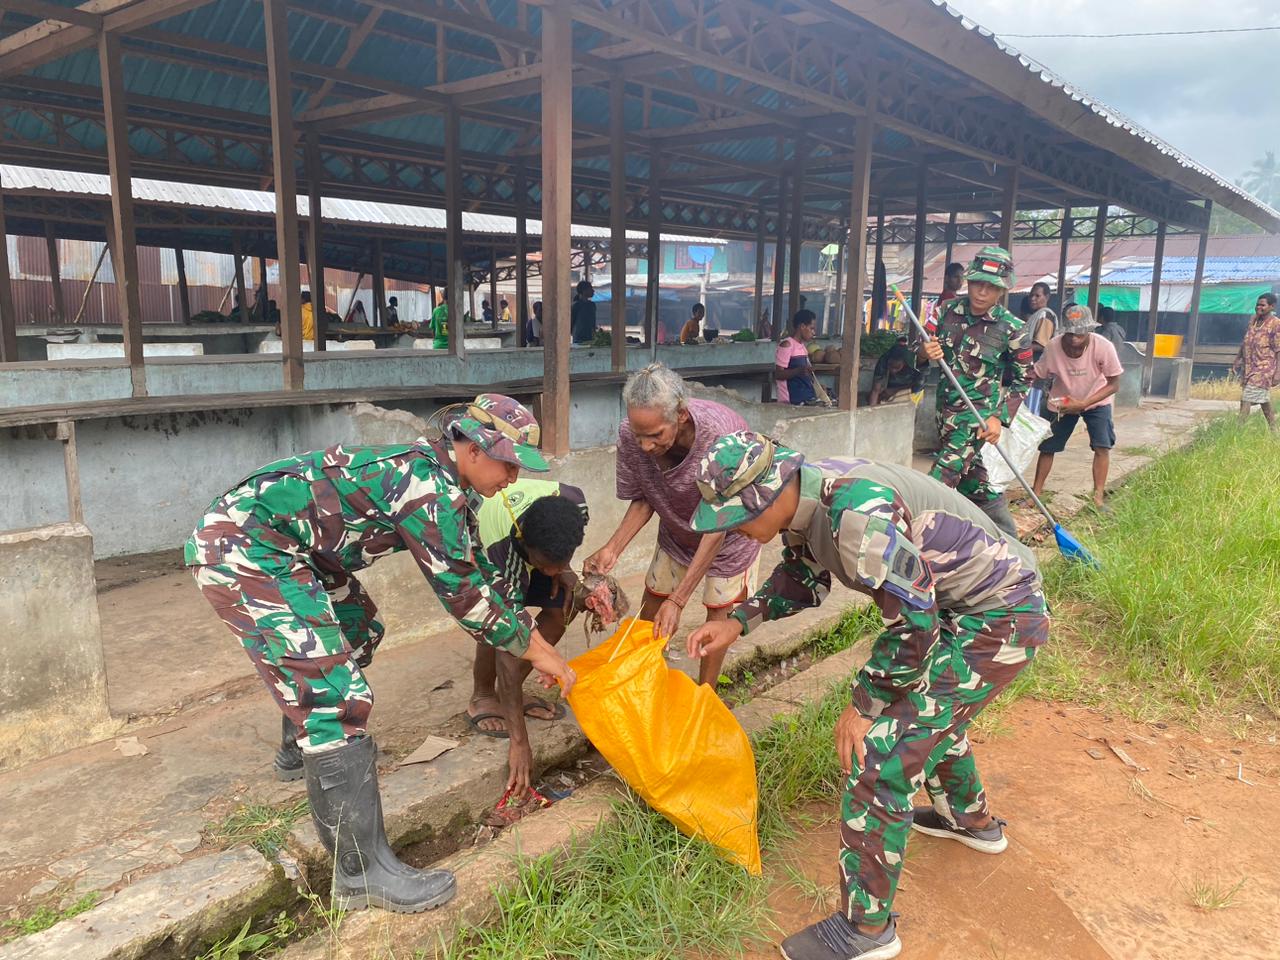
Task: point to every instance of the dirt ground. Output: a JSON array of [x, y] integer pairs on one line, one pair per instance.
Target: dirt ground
[[1104, 859]]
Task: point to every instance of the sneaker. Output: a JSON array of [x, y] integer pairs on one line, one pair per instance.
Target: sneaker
[[987, 840], [837, 939]]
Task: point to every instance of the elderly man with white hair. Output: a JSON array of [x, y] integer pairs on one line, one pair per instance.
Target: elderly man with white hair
[[660, 443]]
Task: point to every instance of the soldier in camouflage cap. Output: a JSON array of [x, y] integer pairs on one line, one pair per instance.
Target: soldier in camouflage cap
[[275, 557], [990, 351], [964, 613]]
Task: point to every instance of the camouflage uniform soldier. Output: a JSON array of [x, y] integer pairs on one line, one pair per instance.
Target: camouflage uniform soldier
[[274, 556], [964, 614], [987, 347]]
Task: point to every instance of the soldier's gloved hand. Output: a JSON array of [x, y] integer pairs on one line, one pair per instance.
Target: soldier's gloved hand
[[931, 350], [993, 430]]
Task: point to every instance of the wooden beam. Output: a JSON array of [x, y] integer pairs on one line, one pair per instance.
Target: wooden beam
[[653, 253], [493, 286], [777, 323], [124, 251], [797, 228], [618, 223], [275, 14], [1068, 228], [917, 256], [71, 470], [859, 209], [1153, 313], [757, 302], [55, 272], [184, 293], [557, 208], [454, 280], [522, 254], [1193, 318], [241, 293], [837, 317], [8, 319], [356, 37], [315, 238], [951, 239], [877, 309], [1009, 209], [379, 318], [1099, 239], [72, 16]]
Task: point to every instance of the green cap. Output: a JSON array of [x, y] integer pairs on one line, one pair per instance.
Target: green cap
[[992, 265], [504, 429], [740, 476]]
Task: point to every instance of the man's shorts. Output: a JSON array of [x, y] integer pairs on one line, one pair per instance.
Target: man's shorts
[[1102, 431], [665, 574], [1255, 395]]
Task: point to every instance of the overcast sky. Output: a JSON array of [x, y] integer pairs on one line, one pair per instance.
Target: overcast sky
[[1215, 98]]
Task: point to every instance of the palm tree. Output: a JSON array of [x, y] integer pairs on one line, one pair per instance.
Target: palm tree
[[1263, 179]]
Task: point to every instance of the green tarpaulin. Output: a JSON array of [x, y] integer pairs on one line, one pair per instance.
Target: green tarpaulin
[[1218, 298]]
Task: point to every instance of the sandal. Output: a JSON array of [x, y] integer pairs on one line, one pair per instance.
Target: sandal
[[537, 703], [495, 734]]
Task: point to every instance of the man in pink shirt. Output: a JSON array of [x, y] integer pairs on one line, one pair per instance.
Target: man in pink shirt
[[1086, 372], [792, 371]]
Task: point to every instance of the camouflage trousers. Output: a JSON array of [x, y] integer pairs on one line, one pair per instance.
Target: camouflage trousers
[[920, 740], [958, 463], [309, 634]]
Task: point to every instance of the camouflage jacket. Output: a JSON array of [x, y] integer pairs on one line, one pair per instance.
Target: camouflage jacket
[[342, 508], [920, 550], [985, 352]]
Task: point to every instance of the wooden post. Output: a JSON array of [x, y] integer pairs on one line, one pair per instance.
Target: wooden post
[[453, 229], [1153, 314], [860, 190], [618, 224], [71, 470], [315, 238], [124, 255], [262, 289], [779, 322], [917, 254], [1068, 228], [797, 229], [757, 305], [184, 293], [951, 240], [837, 317], [8, 319], [522, 254], [493, 286], [875, 265], [1099, 237], [1009, 209], [55, 273], [276, 13], [653, 250], [471, 298], [1193, 317], [557, 188], [379, 318]]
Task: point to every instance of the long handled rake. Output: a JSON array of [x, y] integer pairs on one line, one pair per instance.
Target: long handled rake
[[1068, 545]]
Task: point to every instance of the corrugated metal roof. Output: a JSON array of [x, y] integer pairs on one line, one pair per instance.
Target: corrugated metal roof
[[336, 210], [1110, 114], [1134, 273]]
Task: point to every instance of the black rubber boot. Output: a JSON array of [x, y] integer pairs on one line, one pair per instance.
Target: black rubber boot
[[342, 786], [998, 511], [289, 757]]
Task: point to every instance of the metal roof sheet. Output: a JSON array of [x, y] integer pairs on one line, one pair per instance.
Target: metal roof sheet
[[1128, 273], [335, 209]]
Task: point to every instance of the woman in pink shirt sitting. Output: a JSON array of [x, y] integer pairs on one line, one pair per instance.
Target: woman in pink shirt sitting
[[1086, 372]]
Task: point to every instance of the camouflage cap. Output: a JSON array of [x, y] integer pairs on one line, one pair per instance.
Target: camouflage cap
[[1077, 318], [504, 429], [740, 476], [992, 265]]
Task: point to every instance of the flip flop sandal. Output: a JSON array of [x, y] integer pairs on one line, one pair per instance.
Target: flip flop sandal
[[496, 734], [537, 703]]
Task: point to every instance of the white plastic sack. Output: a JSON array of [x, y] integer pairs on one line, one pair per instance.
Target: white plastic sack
[[1020, 441]]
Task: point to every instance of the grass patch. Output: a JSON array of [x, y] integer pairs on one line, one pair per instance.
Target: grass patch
[[44, 917], [1185, 604], [637, 889], [1223, 388], [261, 825], [1211, 895]]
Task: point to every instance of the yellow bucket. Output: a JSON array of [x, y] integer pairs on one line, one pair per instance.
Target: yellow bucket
[[1168, 345]]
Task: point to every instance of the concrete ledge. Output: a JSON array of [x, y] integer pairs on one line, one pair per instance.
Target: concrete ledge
[[166, 915]]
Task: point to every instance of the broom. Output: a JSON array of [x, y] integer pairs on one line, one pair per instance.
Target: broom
[[1068, 545]]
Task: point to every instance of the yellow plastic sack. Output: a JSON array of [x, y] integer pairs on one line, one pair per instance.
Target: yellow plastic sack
[[672, 740]]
